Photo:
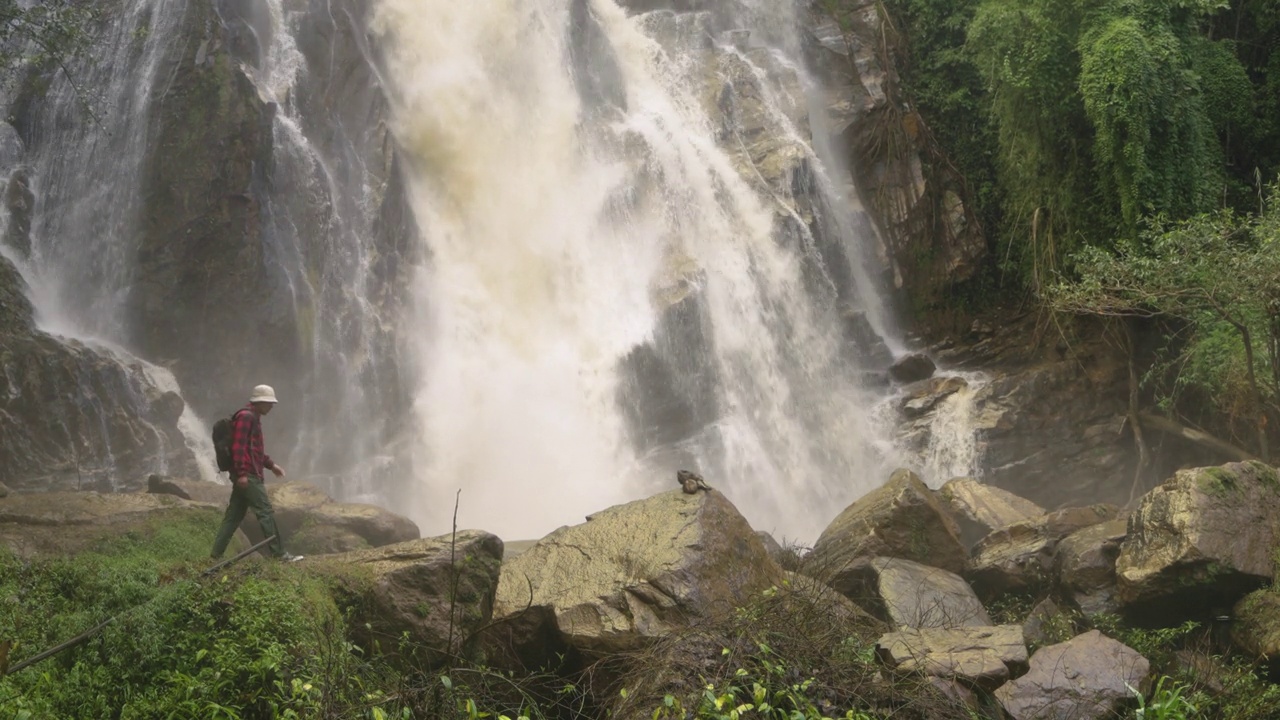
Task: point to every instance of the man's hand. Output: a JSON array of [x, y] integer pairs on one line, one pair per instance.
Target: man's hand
[[278, 470], [242, 482]]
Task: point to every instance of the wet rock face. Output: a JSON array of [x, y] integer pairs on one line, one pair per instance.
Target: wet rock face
[[1200, 541], [75, 417], [920, 209]]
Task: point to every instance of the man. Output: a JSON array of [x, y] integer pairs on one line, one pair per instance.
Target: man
[[248, 460]]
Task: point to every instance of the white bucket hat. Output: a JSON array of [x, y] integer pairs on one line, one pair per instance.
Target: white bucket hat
[[263, 393]]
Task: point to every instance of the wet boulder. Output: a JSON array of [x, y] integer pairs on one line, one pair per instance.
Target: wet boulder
[[1202, 539], [1086, 678], [412, 587], [902, 518], [983, 657], [912, 368], [631, 574], [982, 509], [1020, 557]]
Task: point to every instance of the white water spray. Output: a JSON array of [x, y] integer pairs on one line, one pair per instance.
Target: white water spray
[[556, 232]]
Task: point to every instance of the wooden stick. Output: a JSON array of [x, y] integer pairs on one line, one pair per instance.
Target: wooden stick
[[98, 628], [237, 558]]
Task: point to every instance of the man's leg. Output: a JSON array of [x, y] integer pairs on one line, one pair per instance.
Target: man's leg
[[261, 504], [230, 522]]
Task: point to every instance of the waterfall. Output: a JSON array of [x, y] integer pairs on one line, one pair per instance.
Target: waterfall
[[87, 142], [609, 210]]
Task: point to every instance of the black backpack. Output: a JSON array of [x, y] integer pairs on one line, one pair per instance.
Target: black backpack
[[222, 441]]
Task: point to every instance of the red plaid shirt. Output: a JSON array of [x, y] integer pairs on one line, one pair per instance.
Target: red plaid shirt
[[247, 454]]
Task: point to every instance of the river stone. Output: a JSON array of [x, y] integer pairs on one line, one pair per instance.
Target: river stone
[[1084, 678], [1203, 538], [1255, 628], [902, 519], [982, 508], [4, 491], [636, 572], [911, 595], [912, 368], [1087, 566], [983, 657], [414, 585], [1020, 557]]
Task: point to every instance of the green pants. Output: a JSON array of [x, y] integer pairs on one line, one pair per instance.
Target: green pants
[[254, 495]]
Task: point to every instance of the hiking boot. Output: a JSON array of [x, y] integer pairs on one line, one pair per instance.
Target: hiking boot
[[289, 557]]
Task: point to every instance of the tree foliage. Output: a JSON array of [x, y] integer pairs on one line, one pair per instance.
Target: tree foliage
[[1218, 275], [44, 31]]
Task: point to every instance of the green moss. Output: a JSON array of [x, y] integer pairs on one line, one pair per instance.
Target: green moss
[[1216, 481]]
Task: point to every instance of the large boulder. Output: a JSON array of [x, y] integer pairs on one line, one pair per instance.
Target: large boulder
[[982, 509], [1201, 541], [633, 573], [910, 595], [310, 520], [1086, 678], [1087, 566], [902, 518], [440, 591], [62, 523], [983, 657], [1020, 557]]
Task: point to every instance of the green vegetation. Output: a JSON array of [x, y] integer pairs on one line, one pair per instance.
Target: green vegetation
[[1117, 155], [45, 32]]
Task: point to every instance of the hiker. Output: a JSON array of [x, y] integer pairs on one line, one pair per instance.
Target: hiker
[[247, 462]]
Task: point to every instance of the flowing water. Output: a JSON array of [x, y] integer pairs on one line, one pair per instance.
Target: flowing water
[[631, 247], [565, 227]]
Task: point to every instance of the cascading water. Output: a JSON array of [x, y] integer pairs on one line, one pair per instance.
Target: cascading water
[[81, 163], [600, 238]]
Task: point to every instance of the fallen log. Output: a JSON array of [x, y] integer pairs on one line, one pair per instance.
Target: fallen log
[[1173, 427]]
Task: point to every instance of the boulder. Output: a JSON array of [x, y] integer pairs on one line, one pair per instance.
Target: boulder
[[910, 595], [1047, 623], [912, 368], [902, 518], [63, 523], [635, 572], [1086, 562], [785, 557], [925, 396], [983, 657], [325, 540], [410, 588], [4, 491], [1020, 557], [1085, 678], [1255, 627], [982, 509], [1201, 540], [194, 490]]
